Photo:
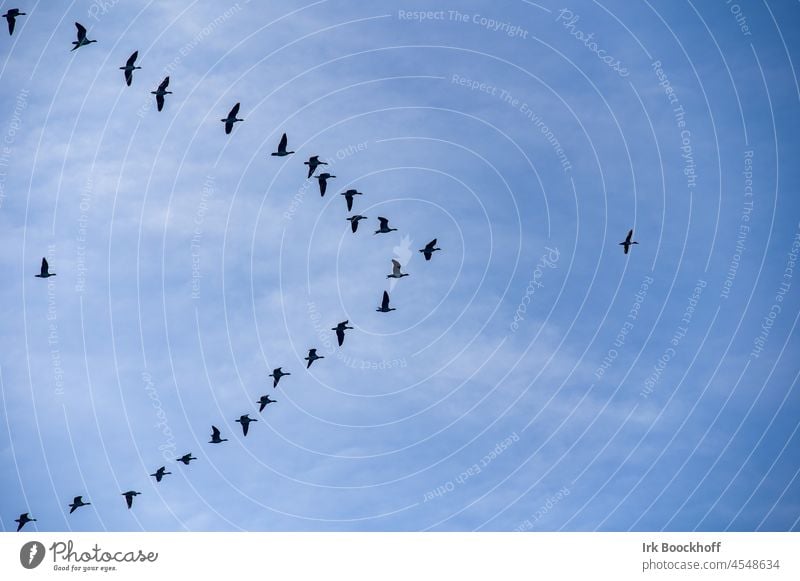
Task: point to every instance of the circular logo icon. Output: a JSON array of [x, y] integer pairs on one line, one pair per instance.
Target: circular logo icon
[[31, 554]]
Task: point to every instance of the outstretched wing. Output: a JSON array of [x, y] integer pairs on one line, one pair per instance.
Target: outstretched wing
[[132, 59], [81, 31], [214, 432], [323, 186], [129, 500], [235, 111], [282, 145], [395, 267], [245, 426], [385, 302], [160, 102], [630, 235], [45, 267], [11, 22], [164, 84], [384, 222]]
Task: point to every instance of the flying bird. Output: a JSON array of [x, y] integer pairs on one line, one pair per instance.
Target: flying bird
[[186, 458], [348, 196], [627, 243], [385, 308], [245, 421], [429, 249], [282, 148], [45, 270], [396, 270], [159, 474], [77, 502], [265, 400], [130, 67], [231, 119], [340, 329], [354, 221], [312, 356], [276, 376], [129, 497], [11, 16], [82, 40], [313, 163], [384, 226], [323, 182], [160, 92], [23, 520], [215, 439]]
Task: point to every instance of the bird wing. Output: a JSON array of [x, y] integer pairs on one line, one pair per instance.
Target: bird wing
[[323, 185], [384, 222], [11, 22], [349, 198], [234, 112], [340, 336], [431, 244], [129, 500], [164, 84], [81, 31], [625, 248], [245, 426], [45, 267], [128, 76], [160, 102], [630, 235], [282, 145], [132, 59], [395, 267], [214, 432], [385, 302], [228, 127]]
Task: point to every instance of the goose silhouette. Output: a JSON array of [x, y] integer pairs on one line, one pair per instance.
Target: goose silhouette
[[11, 17], [23, 520], [354, 221], [384, 226], [44, 272], [159, 474], [215, 439], [282, 148], [186, 458], [77, 502], [265, 400], [313, 163], [385, 308], [245, 421], [312, 356], [429, 249], [626, 244], [340, 329], [396, 270], [129, 497], [129, 68], [231, 119], [160, 92], [348, 196], [82, 40]]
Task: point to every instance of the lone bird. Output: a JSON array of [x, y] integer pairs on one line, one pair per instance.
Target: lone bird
[[159, 474], [429, 249], [265, 400], [313, 163], [186, 458], [323, 182], [215, 439], [396, 270], [160, 92], [276, 376], [245, 421], [130, 67], [354, 221], [82, 40], [45, 270], [77, 502], [231, 119], [627, 243], [385, 308], [312, 356], [11, 16], [129, 497], [282, 148], [340, 329], [384, 226], [348, 196], [23, 520]]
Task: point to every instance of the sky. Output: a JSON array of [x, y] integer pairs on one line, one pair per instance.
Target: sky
[[533, 376]]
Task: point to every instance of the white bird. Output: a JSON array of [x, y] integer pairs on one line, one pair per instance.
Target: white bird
[[396, 270]]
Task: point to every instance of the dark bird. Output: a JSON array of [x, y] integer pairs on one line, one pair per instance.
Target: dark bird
[[160, 92], [384, 226], [265, 400], [77, 502], [129, 496], [231, 119], [11, 16], [245, 421], [627, 243], [313, 163], [82, 40], [282, 148], [312, 356], [215, 439], [429, 249], [385, 308], [396, 270], [23, 520], [45, 270], [354, 221], [340, 329], [186, 458], [323, 182], [348, 196], [159, 474], [276, 376], [129, 67]]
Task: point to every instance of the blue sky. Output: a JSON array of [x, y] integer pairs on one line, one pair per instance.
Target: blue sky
[[533, 377]]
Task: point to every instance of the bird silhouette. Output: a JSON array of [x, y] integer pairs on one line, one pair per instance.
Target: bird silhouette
[[385, 308], [429, 249], [82, 40], [129, 496], [384, 226], [354, 221], [396, 270], [348, 196], [245, 421], [282, 148], [186, 458], [265, 400], [159, 474], [312, 356], [231, 119], [130, 67], [313, 163], [160, 92], [323, 182], [11, 16], [45, 270], [340, 329], [215, 439], [23, 520], [77, 502], [627, 243], [276, 376]]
